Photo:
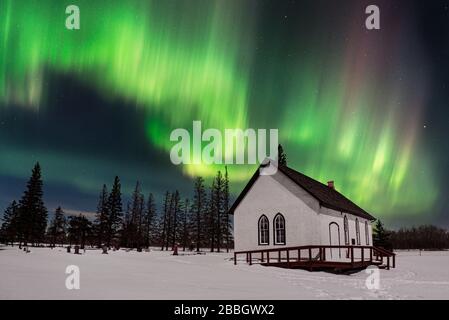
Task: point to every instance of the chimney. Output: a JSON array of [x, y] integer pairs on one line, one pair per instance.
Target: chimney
[[330, 184]]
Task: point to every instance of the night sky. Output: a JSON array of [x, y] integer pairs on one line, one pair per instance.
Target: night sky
[[367, 109]]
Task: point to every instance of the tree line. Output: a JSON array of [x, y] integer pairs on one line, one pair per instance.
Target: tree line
[[426, 237], [200, 222]]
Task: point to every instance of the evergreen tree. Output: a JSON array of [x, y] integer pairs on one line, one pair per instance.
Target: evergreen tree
[[164, 218], [176, 213], [168, 232], [282, 157], [211, 216], [8, 230], [102, 217], [58, 228], [381, 237], [79, 230], [198, 210], [219, 209], [115, 213], [125, 238], [140, 222], [135, 223], [185, 224], [150, 221], [32, 222], [226, 200], [423, 237]]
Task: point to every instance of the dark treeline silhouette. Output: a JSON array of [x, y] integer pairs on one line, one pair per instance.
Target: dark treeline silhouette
[[200, 222], [426, 237], [79, 230]]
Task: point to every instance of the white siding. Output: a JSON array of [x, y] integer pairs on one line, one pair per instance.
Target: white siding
[[328, 216], [306, 222], [270, 195]]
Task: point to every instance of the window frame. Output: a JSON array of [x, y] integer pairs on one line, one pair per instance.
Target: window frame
[[357, 231], [346, 230], [259, 231], [283, 230], [367, 234]]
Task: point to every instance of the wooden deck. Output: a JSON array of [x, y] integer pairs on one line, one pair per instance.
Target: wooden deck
[[317, 258]]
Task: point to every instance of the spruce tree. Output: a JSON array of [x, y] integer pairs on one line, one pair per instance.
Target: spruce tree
[[282, 157], [115, 213], [211, 216], [79, 230], [8, 230], [169, 222], [135, 225], [164, 218], [381, 237], [58, 226], [198, 210], [226, 200], [101, 217], [150, 221], [32, 212], [185, 224], [125, 235], [176, 213], [219, 209]]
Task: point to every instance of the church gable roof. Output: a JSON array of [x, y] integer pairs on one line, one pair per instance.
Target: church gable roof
[[327, 197]]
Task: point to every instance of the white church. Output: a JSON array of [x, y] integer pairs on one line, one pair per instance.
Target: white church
[[289, 209]]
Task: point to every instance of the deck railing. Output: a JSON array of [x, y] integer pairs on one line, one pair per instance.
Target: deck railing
[[315, 253]]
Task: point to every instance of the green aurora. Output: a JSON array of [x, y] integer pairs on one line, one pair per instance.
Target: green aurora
[[341, 115]]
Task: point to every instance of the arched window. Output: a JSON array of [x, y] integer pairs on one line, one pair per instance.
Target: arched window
[[357, 231], [264, 230], [279, 229], [346, 228], [366, 233]]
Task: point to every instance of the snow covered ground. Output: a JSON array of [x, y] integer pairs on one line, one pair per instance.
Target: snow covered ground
[[40, 274]]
